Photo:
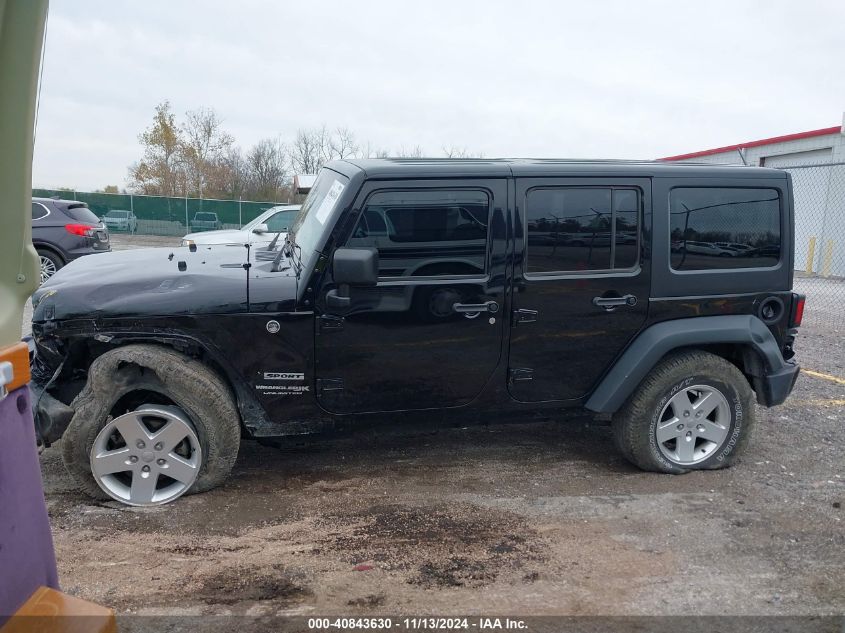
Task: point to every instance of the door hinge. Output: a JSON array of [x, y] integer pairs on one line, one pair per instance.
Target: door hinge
[[524, 316], [329, 322], [329, 384], [520, 374]]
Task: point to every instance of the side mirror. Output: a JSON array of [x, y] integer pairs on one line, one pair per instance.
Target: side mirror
[[351, 267], [260, 228], [355, 266]]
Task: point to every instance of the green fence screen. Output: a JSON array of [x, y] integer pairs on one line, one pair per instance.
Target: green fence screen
[[160, 215]]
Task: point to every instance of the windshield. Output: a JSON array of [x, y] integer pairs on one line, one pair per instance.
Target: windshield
[[315, 215], [117, 214], [205, 216]]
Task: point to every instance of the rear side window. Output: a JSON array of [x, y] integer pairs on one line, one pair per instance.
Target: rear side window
[[426, 233], [39, 211], [715, 228], [582, 229], [81, 213]]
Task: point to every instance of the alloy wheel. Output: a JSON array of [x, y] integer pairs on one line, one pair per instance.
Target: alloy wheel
[[48, 268], [693, 425], [146, 457]]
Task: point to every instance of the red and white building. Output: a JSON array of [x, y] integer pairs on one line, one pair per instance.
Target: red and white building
[[816, 160]]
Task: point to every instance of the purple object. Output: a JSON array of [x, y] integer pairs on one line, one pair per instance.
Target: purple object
[[27, 559]]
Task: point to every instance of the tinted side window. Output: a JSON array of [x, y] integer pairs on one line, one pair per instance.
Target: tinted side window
[[626, 211], [426, 232], [38, 211], [719, 228], [571, 229]]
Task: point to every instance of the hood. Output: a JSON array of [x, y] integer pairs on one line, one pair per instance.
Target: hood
[[221, 236], [232, 236], [147, 282]]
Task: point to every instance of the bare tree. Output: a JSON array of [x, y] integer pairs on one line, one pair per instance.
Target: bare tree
[[267, 170], [342, 144], [306, 153], [414, 152], [230, 177], [205, 146], [370, 151], [200, 158], [460, 152]]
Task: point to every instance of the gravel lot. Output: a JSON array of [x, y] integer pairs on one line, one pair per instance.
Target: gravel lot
[[541, 517]]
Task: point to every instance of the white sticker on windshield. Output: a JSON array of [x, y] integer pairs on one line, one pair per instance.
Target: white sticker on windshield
[[329, 201]]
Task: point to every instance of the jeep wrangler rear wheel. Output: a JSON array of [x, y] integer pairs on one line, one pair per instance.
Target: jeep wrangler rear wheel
[[695, 410], [150, 425]]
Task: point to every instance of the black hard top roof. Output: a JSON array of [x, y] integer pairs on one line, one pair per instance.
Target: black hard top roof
[[527, 167]]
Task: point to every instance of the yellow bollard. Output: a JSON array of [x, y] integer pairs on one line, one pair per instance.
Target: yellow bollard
[[811, 255], [827, 258]]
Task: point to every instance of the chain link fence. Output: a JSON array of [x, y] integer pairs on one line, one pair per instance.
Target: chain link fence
[[159, 215], [819, 192]]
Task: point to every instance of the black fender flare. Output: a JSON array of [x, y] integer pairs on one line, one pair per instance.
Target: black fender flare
[[252, 412], [656, 341]]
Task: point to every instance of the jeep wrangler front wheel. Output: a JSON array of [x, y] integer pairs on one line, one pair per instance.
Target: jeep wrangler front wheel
[[150, 425], [695, 410]]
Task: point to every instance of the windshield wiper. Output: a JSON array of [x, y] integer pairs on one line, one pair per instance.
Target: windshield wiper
[[277, 261], [272, 244], [292, 251], [284, 251]]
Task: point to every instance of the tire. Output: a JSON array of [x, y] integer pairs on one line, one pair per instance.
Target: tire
[[647, 413], [50, 263], [192, 387]]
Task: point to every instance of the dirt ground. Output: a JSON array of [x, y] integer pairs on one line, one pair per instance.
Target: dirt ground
[[533, 518]]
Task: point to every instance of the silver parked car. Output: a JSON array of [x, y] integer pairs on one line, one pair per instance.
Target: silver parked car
[[121, 220]]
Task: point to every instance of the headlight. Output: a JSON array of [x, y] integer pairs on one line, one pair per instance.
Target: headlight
[[187, 242]]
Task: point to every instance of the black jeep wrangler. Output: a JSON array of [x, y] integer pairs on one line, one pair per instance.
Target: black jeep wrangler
[[657, 294]]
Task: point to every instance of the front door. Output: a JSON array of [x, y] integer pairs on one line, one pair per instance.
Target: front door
[[429, 334], [581, 287]]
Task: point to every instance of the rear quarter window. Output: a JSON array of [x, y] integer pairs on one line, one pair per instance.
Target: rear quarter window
[[82, 214], [717, 228], [39, 211]]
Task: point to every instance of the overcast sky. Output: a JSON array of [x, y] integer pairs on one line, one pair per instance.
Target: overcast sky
[[627, 79]]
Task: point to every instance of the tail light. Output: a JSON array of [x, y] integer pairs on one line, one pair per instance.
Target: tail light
[[80, 229], [797, 310]]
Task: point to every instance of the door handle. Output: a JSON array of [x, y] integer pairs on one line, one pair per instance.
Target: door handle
[[489, 306], [611, 303]]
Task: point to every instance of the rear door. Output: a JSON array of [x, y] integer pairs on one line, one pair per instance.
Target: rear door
[[429, 335], [581, 286]]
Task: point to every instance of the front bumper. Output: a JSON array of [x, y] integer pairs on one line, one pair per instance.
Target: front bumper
[[775, 387], [88, 250], [51, 416]]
